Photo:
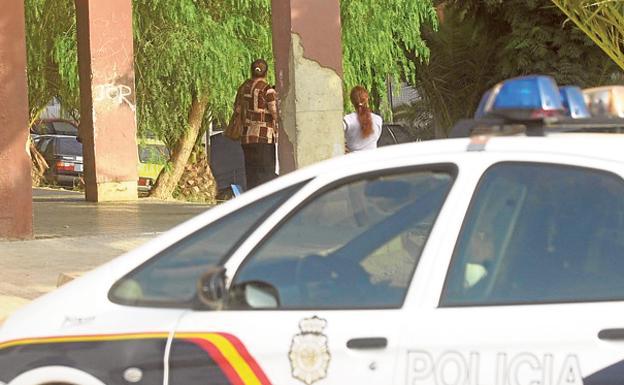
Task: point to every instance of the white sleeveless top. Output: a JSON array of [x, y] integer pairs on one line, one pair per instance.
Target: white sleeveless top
[[353, 133]]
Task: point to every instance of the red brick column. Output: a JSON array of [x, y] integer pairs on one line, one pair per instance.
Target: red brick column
[[308, 54], [107, 114], [16, 216]]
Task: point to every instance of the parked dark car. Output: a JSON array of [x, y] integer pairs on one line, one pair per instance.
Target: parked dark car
[[53, 127], [394, 133], [64, 156]]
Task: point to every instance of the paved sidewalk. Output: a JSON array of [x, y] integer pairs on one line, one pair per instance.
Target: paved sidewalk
[[74, 236], [59, 213]]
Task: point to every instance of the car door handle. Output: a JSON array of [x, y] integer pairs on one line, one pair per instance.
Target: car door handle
[[367, 343], [611, 334]]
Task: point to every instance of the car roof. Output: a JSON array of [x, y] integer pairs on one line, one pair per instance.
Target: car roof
[[150, 141], [593, 145], [57, 136], [52, 120]]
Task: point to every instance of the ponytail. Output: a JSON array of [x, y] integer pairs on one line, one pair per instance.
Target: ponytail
[[359, 99]]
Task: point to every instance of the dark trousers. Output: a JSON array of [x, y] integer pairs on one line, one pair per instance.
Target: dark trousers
[[259, 163]]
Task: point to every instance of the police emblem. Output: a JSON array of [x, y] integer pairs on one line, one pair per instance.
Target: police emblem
[[309, 354]]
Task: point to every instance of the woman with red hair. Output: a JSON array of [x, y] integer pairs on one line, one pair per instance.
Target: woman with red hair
[[362, 127]]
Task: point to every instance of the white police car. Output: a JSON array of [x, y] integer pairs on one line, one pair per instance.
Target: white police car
[[469, 261]]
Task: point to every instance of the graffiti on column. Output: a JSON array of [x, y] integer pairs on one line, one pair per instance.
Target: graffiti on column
[[114, 93]]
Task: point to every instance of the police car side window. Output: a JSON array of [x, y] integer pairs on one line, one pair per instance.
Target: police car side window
[[169, 279], [352, 246], [540, 233]]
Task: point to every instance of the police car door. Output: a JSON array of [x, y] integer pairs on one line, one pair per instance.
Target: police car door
[[534, 291], [317, 292]]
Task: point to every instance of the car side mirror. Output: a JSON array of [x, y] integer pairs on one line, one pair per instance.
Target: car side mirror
[[260, 295], [253, 295], [211, 290]]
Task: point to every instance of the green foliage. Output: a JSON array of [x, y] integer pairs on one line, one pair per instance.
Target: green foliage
[[601, 21], [375, 36], [451, 83], [482, 42], [534, 37], [541, 42], [185, 48], [52, 54], [188, 48]]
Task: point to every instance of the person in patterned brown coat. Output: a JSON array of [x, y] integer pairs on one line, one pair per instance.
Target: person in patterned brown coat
[[259, 135]]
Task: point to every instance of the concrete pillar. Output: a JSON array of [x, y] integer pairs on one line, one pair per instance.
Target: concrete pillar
[[16, 218], [308, 55], [107, 99]]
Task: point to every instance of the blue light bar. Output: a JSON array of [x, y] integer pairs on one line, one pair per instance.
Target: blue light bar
[[481, 110], [574, 102], [533, 92]]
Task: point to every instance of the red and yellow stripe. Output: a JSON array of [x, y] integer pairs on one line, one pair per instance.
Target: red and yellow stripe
[[225, 349], [230, 354]]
